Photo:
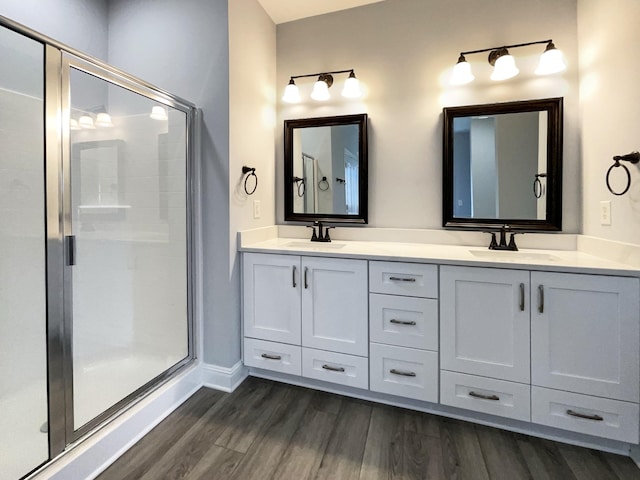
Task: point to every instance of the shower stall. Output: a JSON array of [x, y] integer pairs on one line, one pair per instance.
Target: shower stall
[[96, 273]]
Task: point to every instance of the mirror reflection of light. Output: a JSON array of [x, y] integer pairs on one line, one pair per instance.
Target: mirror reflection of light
[[158, 113]]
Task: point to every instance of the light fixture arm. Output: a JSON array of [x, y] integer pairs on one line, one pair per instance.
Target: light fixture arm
[[293, 77], [516, 45]]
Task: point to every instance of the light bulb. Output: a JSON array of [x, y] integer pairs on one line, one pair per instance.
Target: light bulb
[[320, 91], [461, 72], [158, 113], [103, 120], [73, 124], [85, 121], [291, 93], [351, 87], [551, 61], [504, 68]]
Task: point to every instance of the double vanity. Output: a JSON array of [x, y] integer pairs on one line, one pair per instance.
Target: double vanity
[[524, 340]]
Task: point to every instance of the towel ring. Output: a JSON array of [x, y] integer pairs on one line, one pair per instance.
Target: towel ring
[[537, 185], [633, 158], [323, 184], [302, 188], [252, 173]]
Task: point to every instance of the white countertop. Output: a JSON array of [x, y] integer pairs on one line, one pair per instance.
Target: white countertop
[[526, 259]]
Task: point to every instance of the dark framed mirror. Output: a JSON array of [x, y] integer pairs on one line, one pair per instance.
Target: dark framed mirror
[[325, 169], [502, 165]]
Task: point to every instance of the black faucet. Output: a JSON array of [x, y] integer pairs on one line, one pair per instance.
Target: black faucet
[[319, 236], [494, 245]]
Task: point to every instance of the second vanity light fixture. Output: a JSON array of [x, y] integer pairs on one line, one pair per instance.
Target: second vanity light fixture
[[504, 65], [320, 91]]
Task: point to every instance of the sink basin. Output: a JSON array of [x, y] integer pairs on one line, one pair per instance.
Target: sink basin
[[315, 245], [509, 256]]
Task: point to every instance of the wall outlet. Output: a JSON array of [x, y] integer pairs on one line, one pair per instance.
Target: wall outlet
[[605, 212], [256, 209]]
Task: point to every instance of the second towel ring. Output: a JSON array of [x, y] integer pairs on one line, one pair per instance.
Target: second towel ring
[[300, 185], [537, 185], [252, 173], [323, 184], [633, 158]]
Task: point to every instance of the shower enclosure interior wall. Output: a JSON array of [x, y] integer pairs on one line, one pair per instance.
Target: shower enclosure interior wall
[[95, 244]]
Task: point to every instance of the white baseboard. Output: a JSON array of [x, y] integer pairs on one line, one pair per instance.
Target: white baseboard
[[96, 453], [221, 378]]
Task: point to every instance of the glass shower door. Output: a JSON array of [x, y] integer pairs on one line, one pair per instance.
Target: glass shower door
[[127, 233], [24, 440]]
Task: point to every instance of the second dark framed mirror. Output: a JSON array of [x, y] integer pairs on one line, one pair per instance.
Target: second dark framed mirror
[[325, 169], [502, 165]]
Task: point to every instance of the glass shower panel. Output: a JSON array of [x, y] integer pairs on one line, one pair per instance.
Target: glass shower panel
[[24, 442], [128, 161]]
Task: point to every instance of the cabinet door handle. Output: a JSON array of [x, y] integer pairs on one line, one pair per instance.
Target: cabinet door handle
[[333, 369], [541, 298], [293, 277], [402, 322], [400, 372], [271, 357], [402, 279], [484, 397], [522, 297], [306, 283], [596, 418]]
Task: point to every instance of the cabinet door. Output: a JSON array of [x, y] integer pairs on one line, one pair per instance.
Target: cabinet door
[[484, 322], [584, 334], [272, 297], [334, 305]]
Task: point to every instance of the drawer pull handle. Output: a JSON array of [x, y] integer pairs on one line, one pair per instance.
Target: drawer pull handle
[[596, 418], [484, 397], [333, 369], [400, 372], [522, 297], [293, 276], [306, 282], [271, 357], [541, 299], [402, 279], [402, 322]]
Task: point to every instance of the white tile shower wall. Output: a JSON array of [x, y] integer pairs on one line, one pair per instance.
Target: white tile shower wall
[[22, 279]]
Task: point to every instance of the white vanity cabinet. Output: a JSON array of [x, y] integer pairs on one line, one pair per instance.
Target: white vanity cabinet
[[306, 316], [403, 325]]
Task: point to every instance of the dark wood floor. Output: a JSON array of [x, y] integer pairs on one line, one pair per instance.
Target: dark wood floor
[[267, 430]]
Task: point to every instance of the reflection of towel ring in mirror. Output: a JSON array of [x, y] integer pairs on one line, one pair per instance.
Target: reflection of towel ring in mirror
[[323, 184], [537, 185], [341, 180], [300, 185], [252, 173], [633, 157]]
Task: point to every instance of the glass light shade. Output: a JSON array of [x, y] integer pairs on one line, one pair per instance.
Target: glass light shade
[[85, 121], [158, 113], [551, 61], [351, 87], [320, 91], [461, 73], [504, 68], [291, 93], [73, 124], [103, 120]]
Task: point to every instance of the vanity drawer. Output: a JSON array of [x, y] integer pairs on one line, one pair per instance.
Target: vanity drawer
[[409, 279], [405, 372], [486, 395], [335, 367], [403, 321], [597, 416], [278, 357]]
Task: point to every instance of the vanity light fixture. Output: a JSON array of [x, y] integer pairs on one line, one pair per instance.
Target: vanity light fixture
[[320, 91], [103, 119], [158, 112], [86, 122], [73, 124], [504, 65]]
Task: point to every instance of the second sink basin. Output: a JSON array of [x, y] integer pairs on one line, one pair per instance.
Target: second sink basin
[[513, 256], [315, 245]]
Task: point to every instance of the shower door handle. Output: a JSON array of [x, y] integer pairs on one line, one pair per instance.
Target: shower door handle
[[71, 249]]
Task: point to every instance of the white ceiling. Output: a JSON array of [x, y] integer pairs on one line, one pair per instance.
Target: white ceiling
[[282, 11]]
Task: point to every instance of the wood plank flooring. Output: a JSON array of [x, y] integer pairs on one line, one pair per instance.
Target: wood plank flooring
[[268, 430]]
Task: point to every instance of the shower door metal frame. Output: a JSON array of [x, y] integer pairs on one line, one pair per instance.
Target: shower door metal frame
[[109, 74], [58, 58]]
